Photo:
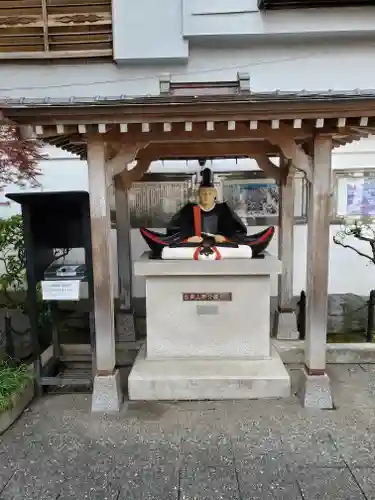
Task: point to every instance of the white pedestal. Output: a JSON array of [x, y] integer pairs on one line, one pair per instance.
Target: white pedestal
[[217, 347], [207, 378]]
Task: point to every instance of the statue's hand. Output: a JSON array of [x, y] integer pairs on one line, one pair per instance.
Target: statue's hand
[[195, 239], [219, 238]]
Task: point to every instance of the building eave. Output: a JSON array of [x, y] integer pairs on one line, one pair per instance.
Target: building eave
[[182, 119]]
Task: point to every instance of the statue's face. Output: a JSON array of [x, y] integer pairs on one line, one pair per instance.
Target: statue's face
[[207, 197]]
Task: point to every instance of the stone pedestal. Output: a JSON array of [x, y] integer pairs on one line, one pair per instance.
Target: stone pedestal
[[208, 331], [107, 395], [285, 325], [315, 391]]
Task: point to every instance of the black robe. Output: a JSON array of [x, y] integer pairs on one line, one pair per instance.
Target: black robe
[[220, 220]]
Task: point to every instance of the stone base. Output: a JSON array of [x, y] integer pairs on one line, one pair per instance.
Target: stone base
[[206, 307], [285, 326], [293, 352], [315, 391], [107, 395], [208, 378]]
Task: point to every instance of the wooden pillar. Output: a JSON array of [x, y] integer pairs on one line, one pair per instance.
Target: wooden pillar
[[315, 389], [285, 318], [123, 245], [318, 242], [286, 241], [124, 319], [106, 394]]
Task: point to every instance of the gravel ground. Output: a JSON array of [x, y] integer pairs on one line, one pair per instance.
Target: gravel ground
[[229, 450]]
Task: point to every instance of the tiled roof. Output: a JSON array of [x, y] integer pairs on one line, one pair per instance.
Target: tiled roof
[[276, 96]]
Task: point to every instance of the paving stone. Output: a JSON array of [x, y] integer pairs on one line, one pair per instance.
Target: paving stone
[[30, 486], [142, 455], [264, 470], [154, 483], [285, 491], [209, 483], [329, 484], [366, 480], [210, 450], [345, 372], [316, 448], [356, 446], [85, 489], [266, 448], [6, 473], [269, 448], [270, 491]]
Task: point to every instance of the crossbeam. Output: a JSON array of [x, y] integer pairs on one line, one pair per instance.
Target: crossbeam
[[292, 151]]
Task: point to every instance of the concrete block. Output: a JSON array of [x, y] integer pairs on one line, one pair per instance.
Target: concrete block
[[285, 326], [107, 395], [207, 378], [315, 391], [233, 328]]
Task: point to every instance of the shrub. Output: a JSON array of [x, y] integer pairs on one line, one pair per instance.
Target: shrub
[[13, 379]]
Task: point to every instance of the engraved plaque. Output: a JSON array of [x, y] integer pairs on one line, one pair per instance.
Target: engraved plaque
[[207, 297]]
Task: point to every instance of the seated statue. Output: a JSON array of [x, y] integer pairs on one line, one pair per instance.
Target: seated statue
[[206, 230]]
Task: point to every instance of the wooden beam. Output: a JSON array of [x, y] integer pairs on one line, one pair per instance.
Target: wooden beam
[[185, 150], [59, 54], [128, 177], [45, 25], [318, 242], [207, 149], [361, 131], [137, 133], [125, 155], [268, 167], [292, 151], [99, 180]]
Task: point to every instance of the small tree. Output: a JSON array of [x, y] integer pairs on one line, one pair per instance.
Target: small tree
[[13, 261], [361, 232], [19, 156]]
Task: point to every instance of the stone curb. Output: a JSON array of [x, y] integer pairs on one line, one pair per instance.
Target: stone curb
[[20, 402], [292, 352]]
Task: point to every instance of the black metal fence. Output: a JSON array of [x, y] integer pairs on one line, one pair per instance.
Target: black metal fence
[[370, 304]]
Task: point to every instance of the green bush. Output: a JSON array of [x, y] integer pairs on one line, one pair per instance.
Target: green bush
[[13, 260], [13, 379]]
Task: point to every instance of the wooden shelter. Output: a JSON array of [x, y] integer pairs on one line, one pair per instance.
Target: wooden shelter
[[205, 121]]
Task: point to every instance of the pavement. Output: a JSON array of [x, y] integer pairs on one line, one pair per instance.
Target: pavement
[[228, 450]]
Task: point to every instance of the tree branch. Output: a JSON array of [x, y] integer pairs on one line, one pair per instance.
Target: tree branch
[[363, 238], [354, 249]]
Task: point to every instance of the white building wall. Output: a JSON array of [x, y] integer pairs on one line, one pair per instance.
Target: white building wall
[[312, 65], [349, 273]]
